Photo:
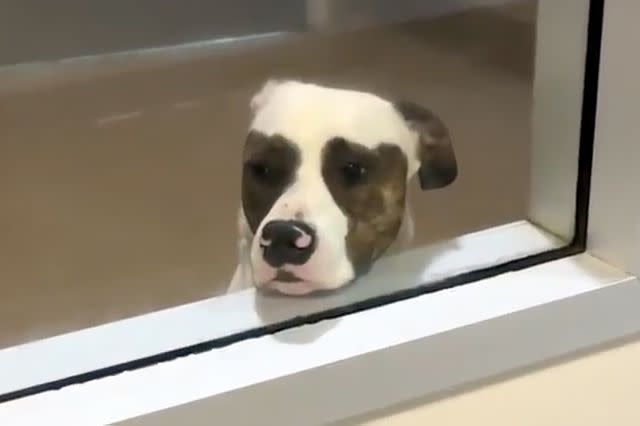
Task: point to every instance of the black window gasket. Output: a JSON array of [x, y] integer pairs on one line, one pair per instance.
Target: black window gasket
[[577, 245]]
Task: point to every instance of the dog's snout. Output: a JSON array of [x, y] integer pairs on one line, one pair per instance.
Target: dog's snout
[[287, 242]]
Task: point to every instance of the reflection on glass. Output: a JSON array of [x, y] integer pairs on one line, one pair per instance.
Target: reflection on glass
[[121, 180]]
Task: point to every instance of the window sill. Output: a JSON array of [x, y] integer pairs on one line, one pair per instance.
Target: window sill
[[127, 340], [434, 342]]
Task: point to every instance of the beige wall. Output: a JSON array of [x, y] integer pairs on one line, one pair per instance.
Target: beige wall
[[596, 389]]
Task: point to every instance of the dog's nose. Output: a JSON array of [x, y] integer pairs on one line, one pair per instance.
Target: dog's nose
[[287, 242]]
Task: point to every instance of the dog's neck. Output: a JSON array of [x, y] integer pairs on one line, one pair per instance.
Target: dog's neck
[[405, 234]]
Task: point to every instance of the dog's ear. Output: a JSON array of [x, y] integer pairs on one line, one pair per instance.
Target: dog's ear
[[438, 165]]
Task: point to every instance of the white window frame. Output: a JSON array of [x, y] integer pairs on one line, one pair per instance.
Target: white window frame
[[414, 348]]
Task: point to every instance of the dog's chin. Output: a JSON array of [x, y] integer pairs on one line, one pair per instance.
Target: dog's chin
[[292, 288], [292, 282], [288, 283]]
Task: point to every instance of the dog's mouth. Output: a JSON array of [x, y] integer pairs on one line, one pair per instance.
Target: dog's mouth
[[288, 283], [286, 277]]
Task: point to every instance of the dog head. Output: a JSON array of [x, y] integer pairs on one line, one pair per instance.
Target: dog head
[[324, 181]]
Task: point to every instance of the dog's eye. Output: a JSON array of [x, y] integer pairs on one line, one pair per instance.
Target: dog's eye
[[259, 170], [353, 173], [265, 173]]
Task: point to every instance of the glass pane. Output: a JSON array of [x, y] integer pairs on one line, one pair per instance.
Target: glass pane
[[122, 165]]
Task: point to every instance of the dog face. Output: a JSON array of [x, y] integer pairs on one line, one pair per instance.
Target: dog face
[[324, 181]]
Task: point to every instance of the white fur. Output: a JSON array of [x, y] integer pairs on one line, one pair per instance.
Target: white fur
[[310, 115]]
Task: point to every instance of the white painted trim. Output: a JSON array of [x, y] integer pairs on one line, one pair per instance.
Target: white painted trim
[[561, 41], [365, 361], [614, 216], [37, 75], [126, 340]]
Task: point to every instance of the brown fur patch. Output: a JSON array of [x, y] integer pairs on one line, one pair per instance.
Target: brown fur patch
[[373, 203], [438, 165], [270, 165]]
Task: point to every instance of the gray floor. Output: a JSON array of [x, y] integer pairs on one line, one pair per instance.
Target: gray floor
[[107, 215]]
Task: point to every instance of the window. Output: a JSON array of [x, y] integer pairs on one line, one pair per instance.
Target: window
[[122, 168]]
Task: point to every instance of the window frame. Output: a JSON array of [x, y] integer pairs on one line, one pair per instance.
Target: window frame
[[603, 287], [526, 318], [195, 327]]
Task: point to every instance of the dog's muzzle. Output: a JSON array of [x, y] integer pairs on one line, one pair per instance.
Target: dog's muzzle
[[287, 242]]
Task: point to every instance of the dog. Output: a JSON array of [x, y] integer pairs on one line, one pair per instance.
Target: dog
[[324, 183]]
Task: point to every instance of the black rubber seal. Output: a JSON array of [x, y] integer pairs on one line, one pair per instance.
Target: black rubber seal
[[577, 245]]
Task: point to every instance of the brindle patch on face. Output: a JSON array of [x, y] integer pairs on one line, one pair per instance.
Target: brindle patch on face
[[369, 186], [270, 165]]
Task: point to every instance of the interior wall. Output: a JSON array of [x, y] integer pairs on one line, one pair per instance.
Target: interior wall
[[592, 390]]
